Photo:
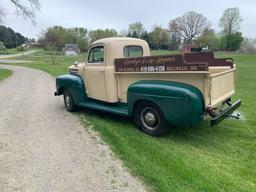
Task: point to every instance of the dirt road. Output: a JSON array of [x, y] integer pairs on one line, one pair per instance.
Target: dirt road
[[43, 148]]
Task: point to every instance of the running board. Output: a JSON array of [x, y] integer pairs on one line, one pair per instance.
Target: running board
[[116, 108]]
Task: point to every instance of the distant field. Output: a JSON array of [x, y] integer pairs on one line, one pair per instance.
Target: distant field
[[11, 51], [42, 60], [4, 73], [197, 158]]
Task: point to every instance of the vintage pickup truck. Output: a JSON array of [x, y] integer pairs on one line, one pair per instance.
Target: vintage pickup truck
[[121, 77]]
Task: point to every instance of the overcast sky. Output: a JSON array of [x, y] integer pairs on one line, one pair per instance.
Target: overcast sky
[[118, 14]]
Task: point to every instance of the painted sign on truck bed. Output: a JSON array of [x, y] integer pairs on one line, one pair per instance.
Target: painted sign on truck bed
[[179, 62]]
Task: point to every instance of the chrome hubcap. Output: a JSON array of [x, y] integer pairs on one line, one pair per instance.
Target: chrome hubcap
[[149, 118], [67, 100]]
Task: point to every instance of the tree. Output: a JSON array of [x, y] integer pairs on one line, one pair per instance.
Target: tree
[[230, 21], [27, 8], [19, 39], [57, 36], [189, 26], [233, 41], [145, 37], [135, 35], [136, 28], [209, 39], [123, 33], [53, 37], [10, 38], [248, 45], [129, 35], [82, 39], [175, 42], [159, 37], [101, 33], [223, 43]]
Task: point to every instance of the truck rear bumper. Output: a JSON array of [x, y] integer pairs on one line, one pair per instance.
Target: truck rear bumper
[[217, 118]]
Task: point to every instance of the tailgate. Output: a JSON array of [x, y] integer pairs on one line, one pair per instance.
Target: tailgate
[[222, 86]]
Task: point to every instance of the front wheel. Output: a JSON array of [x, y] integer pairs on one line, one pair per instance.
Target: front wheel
[[69, 102], [150, 119]]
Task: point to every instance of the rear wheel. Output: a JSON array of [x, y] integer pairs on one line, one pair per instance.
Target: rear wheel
[[69, 102], [150, 119]]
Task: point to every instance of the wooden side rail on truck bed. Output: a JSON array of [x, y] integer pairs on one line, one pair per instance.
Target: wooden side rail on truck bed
[[209, 58], [178, 62]]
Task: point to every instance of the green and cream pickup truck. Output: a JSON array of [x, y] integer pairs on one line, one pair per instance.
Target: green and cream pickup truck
[[121, 77]]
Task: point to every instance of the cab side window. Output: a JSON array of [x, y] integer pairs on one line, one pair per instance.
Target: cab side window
[[96, 55], [133, 51]]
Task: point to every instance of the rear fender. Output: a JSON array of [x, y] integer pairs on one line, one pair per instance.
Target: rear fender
[[180, 103]]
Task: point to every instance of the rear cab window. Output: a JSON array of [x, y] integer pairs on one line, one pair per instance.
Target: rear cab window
[[133, 51], [96, 55]]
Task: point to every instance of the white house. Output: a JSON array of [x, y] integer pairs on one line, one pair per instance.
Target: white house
[[71, 49]]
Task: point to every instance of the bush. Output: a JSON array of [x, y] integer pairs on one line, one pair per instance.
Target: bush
[[231, 42], [20, 48]]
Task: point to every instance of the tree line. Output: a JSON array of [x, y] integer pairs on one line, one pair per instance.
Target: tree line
[[9, 38], [190, 28], [193, 28]]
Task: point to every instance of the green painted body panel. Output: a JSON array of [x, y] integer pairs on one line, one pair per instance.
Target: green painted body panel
[[180, 103], [116, 108], [74, 84]]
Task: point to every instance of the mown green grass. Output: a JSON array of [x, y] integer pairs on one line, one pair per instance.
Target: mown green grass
[[197, 158], [4, 73], [12, 51], [42, 60]]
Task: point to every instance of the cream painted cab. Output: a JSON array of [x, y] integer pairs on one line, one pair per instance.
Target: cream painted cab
[[98, 71]]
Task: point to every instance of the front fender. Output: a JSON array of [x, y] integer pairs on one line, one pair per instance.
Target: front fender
[[180, 103], [74, 84]]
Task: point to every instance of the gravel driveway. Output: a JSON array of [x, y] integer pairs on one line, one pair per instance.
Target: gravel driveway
[[44, 148]]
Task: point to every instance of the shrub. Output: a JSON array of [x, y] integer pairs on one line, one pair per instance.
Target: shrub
[[20, 48]]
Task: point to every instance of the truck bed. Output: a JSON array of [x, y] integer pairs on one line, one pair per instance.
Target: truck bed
[[215, 78]]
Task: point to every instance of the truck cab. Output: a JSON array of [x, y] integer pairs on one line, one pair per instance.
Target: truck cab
[[99, 70], [121, 77]]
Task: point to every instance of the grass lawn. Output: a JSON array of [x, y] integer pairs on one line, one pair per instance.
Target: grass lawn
[[12, 51], [197, 158], [42, 60], [4, 73]]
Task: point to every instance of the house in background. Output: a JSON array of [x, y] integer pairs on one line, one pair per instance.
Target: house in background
[[71, 49]]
